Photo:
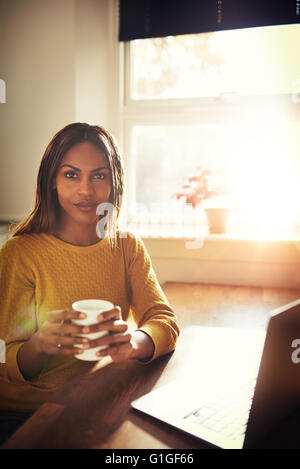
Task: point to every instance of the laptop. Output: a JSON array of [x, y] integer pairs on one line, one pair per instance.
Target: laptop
[[245, 383]]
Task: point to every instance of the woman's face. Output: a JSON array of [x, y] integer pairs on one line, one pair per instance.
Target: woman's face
[[83, 181]]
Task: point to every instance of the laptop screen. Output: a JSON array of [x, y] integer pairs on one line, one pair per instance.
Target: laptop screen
[[277, 392]]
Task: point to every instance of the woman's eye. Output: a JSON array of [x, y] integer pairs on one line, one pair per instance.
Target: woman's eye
[[70, 175], [100, 176]]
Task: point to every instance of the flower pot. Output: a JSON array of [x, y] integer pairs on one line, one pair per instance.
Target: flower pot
[[217, 219]]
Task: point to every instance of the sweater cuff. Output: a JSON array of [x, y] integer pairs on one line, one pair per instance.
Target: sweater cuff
[[158, 335], [13, 371]]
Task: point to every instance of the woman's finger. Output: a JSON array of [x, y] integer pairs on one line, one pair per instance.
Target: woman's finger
[[66, 340], [115, 325], [111, 339], [64, 314], [64, 328], [114, 313], [117, 352], [58, 349]]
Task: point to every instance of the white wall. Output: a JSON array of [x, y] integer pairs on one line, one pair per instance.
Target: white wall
[[55, 63], [93, 74]]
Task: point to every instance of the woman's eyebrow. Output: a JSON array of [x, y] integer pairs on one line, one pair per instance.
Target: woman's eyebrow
[[77, 169]]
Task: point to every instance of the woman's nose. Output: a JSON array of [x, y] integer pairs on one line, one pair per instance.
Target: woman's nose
[[85, 186]]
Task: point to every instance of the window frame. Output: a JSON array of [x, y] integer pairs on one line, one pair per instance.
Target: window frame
[[206, 110]]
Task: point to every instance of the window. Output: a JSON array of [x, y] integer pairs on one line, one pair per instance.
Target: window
[[228, 101]]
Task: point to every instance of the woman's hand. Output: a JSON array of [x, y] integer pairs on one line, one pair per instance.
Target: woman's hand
[[55, 337], [57, 334], [121, 343]]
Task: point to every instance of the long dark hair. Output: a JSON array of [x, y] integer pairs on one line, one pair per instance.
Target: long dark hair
[[46, 211]]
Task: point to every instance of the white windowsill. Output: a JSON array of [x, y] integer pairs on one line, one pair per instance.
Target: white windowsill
[[225, 248]]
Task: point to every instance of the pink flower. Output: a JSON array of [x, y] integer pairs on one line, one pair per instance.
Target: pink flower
[[200, 186]]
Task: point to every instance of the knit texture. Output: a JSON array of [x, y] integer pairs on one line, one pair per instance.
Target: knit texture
[[40, 273]]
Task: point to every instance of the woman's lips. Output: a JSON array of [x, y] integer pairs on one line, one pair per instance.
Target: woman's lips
[[86, 207]]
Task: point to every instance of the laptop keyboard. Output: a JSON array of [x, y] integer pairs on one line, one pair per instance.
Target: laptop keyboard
[[228, 413]]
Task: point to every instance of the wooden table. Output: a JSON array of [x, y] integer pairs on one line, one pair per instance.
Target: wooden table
[[93, 410]]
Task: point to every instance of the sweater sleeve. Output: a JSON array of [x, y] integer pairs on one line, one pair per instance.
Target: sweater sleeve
[[17, 307], [149, 306]]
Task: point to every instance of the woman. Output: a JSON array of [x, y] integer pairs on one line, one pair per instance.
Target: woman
[[55, 257]]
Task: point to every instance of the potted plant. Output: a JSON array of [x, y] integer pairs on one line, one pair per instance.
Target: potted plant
[[206, 185]]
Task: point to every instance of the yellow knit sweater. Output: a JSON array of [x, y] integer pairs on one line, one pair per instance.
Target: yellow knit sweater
[[40, 273]]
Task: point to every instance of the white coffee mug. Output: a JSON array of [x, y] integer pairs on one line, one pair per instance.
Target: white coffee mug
[[92, 308]]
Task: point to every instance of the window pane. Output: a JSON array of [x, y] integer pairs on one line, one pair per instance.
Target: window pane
[[260, 163], [247, 61]]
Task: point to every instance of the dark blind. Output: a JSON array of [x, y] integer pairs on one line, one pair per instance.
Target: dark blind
[[141, 19]]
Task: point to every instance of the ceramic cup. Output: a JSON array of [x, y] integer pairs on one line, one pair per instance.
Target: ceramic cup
[[92, 308]]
